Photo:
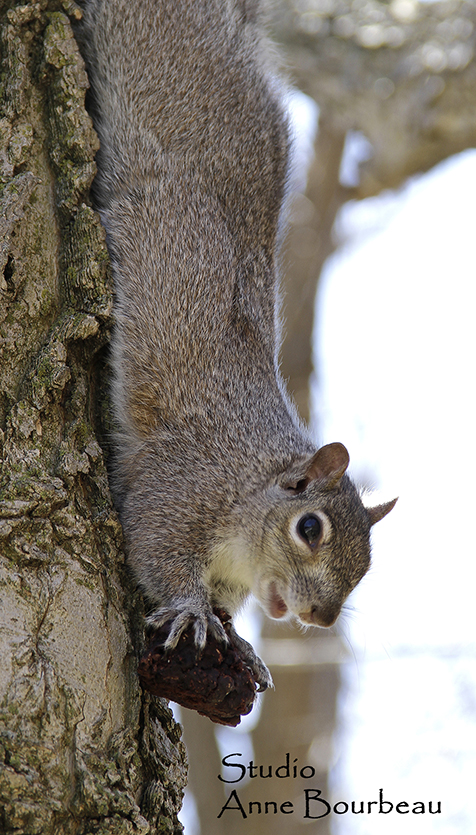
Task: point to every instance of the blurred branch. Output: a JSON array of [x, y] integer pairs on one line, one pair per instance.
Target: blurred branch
[[309, 243], [403, 73]]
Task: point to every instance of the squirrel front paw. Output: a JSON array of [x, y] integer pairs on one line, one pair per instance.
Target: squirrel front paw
[[202, 617], [207, 623]]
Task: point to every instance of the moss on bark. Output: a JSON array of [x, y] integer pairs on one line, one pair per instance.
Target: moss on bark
[[81, 749]]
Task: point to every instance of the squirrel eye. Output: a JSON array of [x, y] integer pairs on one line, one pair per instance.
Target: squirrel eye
[[310, 529]]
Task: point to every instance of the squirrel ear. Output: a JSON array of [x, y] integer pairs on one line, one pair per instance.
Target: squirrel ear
[[377, 513], [328, 465]]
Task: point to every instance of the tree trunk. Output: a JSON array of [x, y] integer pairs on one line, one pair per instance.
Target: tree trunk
[[82, 750]]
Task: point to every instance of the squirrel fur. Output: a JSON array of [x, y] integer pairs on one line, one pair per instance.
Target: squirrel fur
[[220, 489]]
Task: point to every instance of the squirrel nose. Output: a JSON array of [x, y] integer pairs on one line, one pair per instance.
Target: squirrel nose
[[319, 616]]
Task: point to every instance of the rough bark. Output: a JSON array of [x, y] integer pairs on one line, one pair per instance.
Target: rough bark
[[81, 749]]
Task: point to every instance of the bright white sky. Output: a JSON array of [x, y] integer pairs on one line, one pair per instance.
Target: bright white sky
[[396, 349]]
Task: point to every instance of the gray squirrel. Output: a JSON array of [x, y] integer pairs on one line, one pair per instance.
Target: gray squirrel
[[221, 490]]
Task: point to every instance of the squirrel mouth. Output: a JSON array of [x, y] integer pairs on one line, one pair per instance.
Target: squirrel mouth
[[277, 607]]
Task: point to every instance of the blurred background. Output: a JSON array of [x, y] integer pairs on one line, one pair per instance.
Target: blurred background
[[379, 352]]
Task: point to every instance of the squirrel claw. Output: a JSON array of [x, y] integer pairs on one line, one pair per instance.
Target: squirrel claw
[[204, 622], [261, 674]]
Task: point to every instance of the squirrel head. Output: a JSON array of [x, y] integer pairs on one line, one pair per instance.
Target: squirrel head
[[315, 539]]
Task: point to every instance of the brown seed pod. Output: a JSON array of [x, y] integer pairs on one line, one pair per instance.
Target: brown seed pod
[[215, 682]]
